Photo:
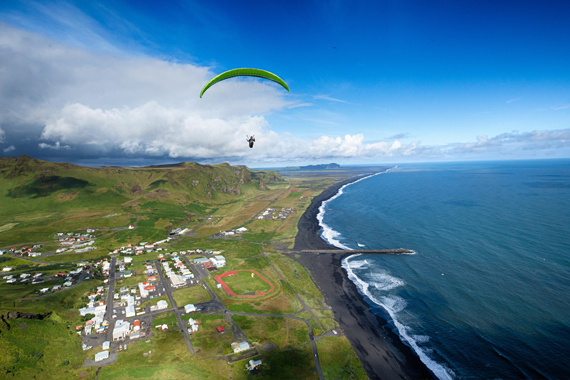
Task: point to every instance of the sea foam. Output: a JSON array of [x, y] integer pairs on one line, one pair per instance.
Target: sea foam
[[393, 305]]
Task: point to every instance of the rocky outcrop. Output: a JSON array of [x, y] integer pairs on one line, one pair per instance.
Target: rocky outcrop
[[18, 314]]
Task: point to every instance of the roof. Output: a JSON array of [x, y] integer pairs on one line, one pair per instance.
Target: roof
[[220, 329], [102, 355]]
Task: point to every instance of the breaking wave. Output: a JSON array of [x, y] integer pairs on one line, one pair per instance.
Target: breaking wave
[[393, 305]]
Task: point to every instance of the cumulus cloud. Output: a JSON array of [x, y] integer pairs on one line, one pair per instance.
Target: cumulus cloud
[[56, 146], [11, 148], [66, 100]]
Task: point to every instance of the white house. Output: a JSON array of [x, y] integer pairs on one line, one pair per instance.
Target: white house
[[237, 347], [101, 356], [6, 269], [218, 261], [190, 308], [162, 304], [241, 230], [130, 311], [106, 345], [128, 260]]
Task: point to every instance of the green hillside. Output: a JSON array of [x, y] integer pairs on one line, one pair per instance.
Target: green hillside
[[38, 198]]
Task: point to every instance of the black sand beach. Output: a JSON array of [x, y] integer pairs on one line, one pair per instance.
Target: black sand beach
[[380, 350]]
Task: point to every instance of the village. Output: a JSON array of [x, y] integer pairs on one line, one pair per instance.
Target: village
[[164, 287]]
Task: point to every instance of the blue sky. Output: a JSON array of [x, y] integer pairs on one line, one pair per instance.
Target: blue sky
[[371, 81]]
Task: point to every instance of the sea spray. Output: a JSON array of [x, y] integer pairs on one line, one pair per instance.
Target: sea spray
[[393, 305]]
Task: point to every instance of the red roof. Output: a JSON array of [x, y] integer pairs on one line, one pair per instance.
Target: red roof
[[220, 329]]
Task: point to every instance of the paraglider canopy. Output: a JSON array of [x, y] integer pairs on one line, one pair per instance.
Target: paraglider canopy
[[244, 73]]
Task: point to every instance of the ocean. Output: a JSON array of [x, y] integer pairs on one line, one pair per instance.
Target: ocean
[[487, 293]]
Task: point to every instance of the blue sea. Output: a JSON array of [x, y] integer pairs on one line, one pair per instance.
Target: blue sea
[[487, 293]]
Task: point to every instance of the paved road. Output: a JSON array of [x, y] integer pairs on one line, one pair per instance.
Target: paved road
[[110, 298], [177, 312], [216, 304]]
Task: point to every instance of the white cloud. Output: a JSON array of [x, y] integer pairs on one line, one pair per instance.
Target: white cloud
[[56, 146], [73, 100], [561, 107], [11, 148], [325, 97]]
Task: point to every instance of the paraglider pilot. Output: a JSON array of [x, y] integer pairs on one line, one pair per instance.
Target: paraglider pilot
[[250, 140]]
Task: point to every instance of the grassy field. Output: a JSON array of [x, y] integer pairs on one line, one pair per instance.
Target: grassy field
[[298, 278], [207, 337], [139, 268], [246, 282], [283, 332], [41, 349], [295, 364], [154, 301], [192, 294], [338, 359]]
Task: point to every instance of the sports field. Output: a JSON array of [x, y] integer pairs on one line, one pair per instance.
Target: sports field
[[245, 283]]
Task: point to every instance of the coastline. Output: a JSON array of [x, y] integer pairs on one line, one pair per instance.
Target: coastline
[[380, 350]]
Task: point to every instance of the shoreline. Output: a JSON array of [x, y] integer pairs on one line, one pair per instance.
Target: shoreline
[[380, 350]]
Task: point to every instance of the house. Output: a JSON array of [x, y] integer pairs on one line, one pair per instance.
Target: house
[[131, 227], [56, 287], [128, 273], [11, 281], [24, 275], [201, 260], [6, 269], [190, 308], [101, 356], [130, 311], [128, 260], [134, 335], [220, 329], [44, 290], [241, 230], [136, 325], [238, 347], [162, 304], [106, 345]]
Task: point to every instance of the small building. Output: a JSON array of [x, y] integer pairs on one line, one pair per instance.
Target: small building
[[177, 281], [238, 347], [44, 290], [219, 261], [136, 325], [101, 356], [6, 269], [241, 230], [220, 329], [190, 308], [201, 260], [162, 304], [130, 311], [106, 345], [121, 330]]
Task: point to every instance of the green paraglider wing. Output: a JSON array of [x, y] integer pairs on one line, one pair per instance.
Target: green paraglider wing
[[244, 73]]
